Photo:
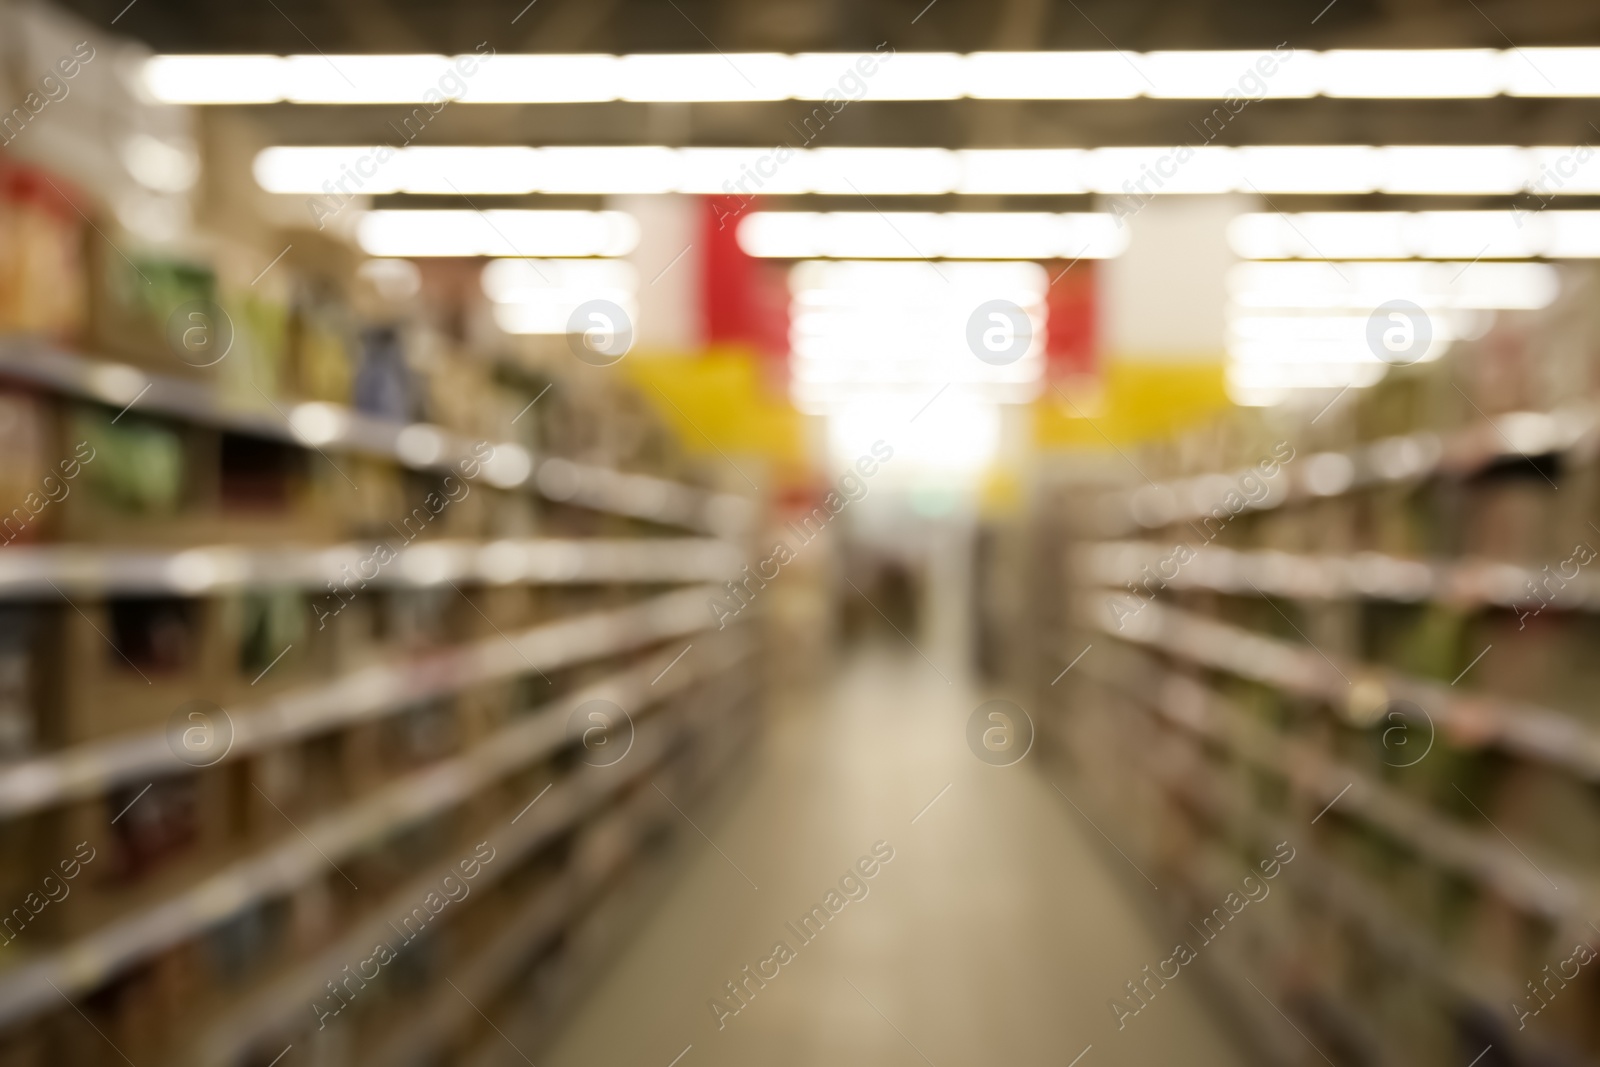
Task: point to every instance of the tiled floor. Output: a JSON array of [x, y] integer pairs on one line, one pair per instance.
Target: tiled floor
[[996, 935]]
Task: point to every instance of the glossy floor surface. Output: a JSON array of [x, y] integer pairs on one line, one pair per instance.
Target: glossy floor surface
[[996, 934]]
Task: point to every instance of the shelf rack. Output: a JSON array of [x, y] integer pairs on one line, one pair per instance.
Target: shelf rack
[[566, 804], [645, 595], [420, 446], [87, 961], [91, 768], [46, 571], [1211, 717], [1470, 719], [1402, 459]]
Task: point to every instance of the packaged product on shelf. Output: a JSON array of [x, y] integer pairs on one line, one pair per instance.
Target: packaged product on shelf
[[139, 463], [320, 345], [384, 386], [257, 362], [29, 481], [19, 722], [258, 475], [271, 622], [42, 272], [136, 660], [134, 297]]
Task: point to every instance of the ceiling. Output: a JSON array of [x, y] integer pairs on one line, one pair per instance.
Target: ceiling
[[354, 26], [621, 26]]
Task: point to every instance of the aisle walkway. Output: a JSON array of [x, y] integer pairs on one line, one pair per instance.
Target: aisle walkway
[[996, 935]]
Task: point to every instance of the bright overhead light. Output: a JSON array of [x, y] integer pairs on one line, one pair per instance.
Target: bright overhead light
[[618, 169], [1445, 73], [603, 170], [508, 170], [216, 79], [545, 79], [1219, 75], [923, 235], [1363, 286], [1139, 171], [1455, 169], [498, 233], [1024, 170], [1310, 168], [847, 171], [689, 77], [1053, 76], [1393, 73], [1553, 72], [1466, 235], [904, 76], [357, 79]]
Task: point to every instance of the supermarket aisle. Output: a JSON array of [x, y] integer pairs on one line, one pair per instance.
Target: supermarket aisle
[[996, 934]]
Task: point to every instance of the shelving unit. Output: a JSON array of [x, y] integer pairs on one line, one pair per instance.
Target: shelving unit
[[434, 711], [334, 427], [1374, 650]]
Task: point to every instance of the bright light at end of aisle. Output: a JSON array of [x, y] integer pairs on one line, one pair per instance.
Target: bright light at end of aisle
[[1321, 325], [904, 330], [541, 296]]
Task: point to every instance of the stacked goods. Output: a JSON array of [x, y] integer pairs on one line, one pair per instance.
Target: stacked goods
[[1362, 633], [299, 591]]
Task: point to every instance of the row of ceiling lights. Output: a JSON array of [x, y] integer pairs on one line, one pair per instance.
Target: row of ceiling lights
[[1444, 235], [1280, 73], [1132, 173]]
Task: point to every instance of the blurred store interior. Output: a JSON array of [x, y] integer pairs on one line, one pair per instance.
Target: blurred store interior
[[708, 532]]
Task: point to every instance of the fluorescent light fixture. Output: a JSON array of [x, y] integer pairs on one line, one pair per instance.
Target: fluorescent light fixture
[[1445, 73], [358, 79], [1394, 73], [1153, 170], [922, 235], [508, 170], [1486, 286], [1309, 169], [1455, 169], [216, 79], [870, 171], [621, 169], [905, 76], [1053, 76], [1515, 233], [1146, 171], [498, 233], [1219, 75], [1025, 170], [1553, 72], [545, 79], [690, 77]]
